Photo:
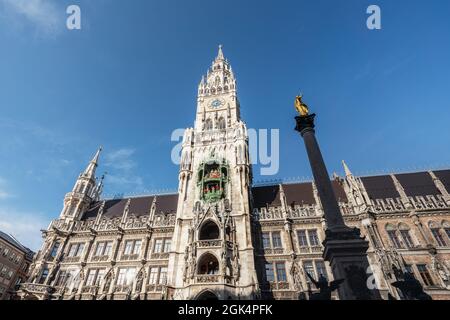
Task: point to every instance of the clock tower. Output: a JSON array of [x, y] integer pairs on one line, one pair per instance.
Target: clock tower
[[212, 253]]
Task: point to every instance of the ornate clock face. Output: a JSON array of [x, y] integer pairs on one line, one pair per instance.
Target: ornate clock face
[[216, 103]]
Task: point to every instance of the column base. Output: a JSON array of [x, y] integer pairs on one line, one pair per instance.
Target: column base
[[345, 250]]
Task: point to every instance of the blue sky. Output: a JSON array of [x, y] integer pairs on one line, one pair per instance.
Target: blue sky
[[129, 77]]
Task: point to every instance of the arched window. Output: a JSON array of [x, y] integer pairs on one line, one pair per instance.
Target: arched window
[[209, 231], [446, 226], [208, 124], [405, 234], [392, 233], [208, 264], [221, 123], [436, 232]]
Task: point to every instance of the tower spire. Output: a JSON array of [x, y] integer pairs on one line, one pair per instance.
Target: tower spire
[[346, 169], [90, 169], [220, 53]]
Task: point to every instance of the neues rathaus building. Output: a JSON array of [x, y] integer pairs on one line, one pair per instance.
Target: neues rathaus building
[[220, 237]]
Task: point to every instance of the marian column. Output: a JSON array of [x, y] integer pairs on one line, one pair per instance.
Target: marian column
[[344, 247]]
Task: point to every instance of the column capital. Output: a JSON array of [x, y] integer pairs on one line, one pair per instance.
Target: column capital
[[305, 123]]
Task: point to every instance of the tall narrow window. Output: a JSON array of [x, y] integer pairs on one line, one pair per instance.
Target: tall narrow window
[[158, 246], [266, 240], [425, 274], [281, 272], [394, 239], [302, 240], [313, 238], [91, 277], [167, 244], [438, 237], [276, 240], [99, 249], [54, 249], [308, 268], [153, 275], [162, 275], [44, 276], [270, 277], [137, 247], [321, 270], [128, 247], [407, 240], [108, 248]]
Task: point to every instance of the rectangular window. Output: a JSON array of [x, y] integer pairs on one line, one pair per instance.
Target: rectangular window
[[128, 247], [167, 244], [61, 278], [281, 272], [54, 250], [266, 240], [163, 275], [313, 238], [44, 276], [276, 240], [80, 249], [302, 240], [126, 276], [153, 276], [309, 268], [158, 246], [408, 268], [321, 270], [100, 276], [76, 249], [394, 239], [269, 272], [407, 238], [99, 249], [426, 277], [108, 248], [137, 247], [91, 277], [447, 231], [438, 237], [73, 250]]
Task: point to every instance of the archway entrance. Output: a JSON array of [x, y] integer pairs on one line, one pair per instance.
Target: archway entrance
[[207, 295]]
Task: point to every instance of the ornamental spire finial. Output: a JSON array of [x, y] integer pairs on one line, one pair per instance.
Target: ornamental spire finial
[[220, 53]]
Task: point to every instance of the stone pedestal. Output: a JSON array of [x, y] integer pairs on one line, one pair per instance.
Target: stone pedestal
[[344, 248]]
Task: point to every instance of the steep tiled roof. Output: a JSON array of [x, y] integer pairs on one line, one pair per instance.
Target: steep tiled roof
[[296, 194], [139, 206], [14, 242]]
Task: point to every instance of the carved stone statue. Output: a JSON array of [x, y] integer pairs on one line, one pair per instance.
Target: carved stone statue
[[300, 106], [325, 288]]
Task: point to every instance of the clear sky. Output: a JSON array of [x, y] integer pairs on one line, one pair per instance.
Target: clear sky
[[129, 77]]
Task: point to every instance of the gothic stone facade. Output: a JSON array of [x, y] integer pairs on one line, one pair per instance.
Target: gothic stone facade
[[220, 237]]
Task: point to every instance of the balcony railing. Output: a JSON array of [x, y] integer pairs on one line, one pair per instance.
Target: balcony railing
[[209, 243], [35, 288], [207, 278]]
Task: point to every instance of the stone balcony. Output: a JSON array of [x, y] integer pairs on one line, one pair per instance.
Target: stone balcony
[[35, 288], [207, 278], [209, 243]]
